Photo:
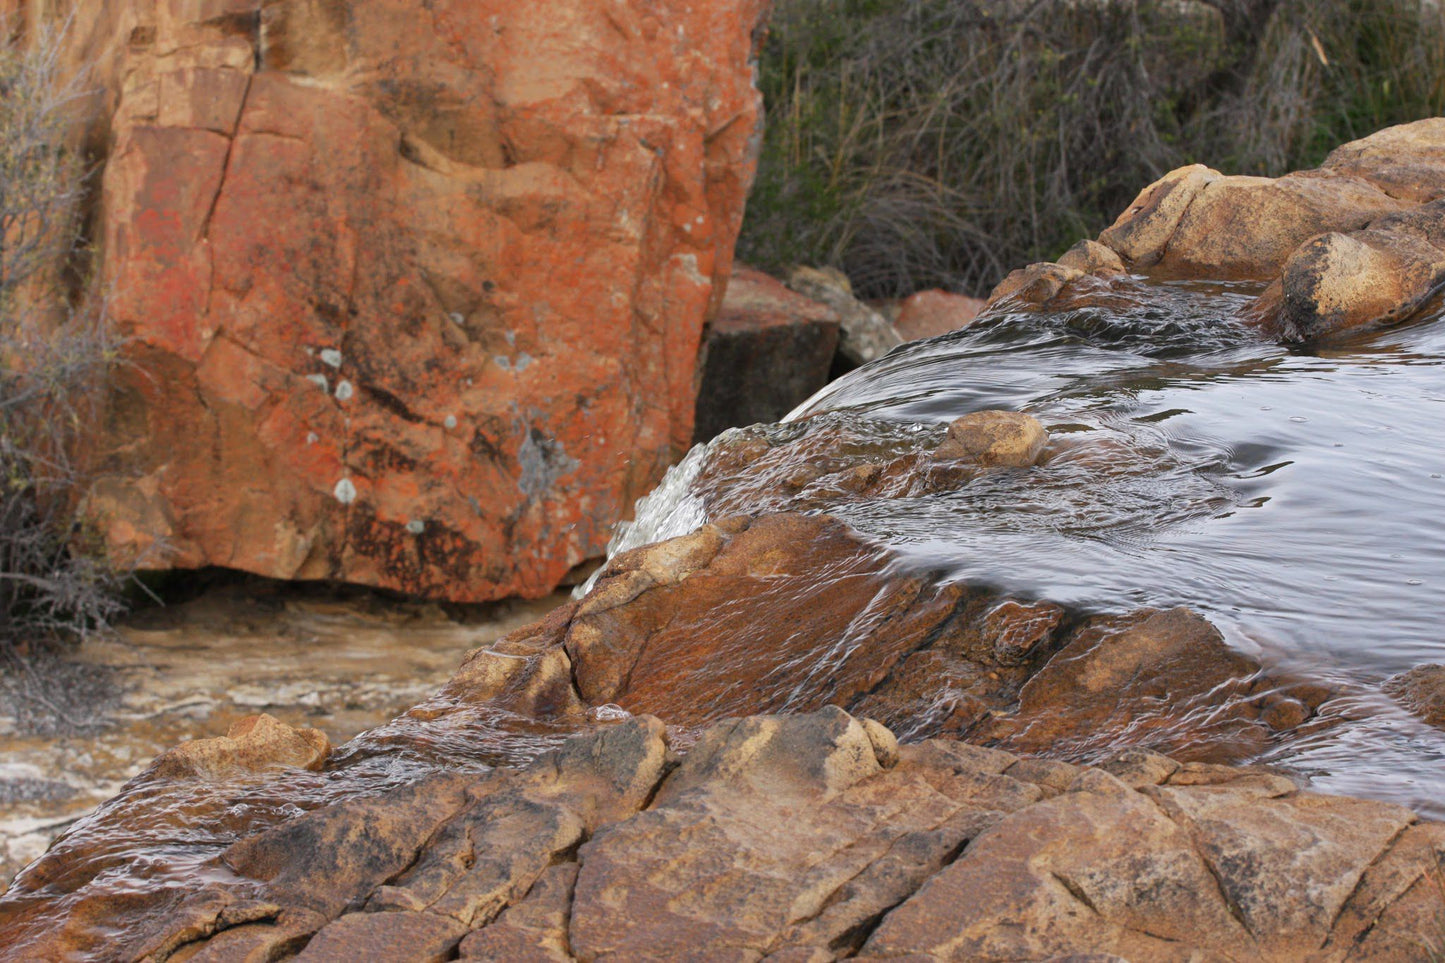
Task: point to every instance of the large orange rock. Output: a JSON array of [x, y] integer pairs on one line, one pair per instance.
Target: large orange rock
[[413, 293]]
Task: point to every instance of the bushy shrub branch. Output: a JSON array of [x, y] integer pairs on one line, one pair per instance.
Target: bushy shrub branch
[[55, 350]]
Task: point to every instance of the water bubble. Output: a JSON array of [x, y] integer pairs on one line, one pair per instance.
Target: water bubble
[[1298, 419], [608, 713], [1414, 581]]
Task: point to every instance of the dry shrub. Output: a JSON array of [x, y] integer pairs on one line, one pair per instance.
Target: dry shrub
[[54, 354], [919, 143]]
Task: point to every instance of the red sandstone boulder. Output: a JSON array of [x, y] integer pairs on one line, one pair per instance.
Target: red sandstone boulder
[[928, 314], [413, 293]]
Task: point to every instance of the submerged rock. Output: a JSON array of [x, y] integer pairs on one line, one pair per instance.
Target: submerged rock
[[714, 624], [1422, 691], [806, 837]]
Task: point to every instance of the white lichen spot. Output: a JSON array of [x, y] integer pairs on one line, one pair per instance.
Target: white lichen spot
[[319, 380], [687, 265], [344, 391], [312, 438], [331, 356], [416, 526], [511, 337], [523, 360], [503, 362], [345, 491], [457, 318], [451, 421]]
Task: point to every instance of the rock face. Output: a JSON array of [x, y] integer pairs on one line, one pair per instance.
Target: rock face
[[767, 351], [709, 625], [413, 293], [812, 837], [1357, 243]]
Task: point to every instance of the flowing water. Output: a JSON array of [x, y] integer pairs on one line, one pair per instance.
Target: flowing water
[[1294, 496], [343, 662]]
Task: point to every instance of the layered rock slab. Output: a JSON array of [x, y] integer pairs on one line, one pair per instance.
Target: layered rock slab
[[412, 295], [811, 837], [792, 612]]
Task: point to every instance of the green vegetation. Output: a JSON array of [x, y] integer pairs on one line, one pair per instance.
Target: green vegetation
[[920, 143], [54, 354]]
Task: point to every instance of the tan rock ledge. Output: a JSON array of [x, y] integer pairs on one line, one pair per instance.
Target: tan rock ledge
[[809, 837]]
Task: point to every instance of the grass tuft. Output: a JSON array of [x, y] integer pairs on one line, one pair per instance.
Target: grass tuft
[[922, 143]]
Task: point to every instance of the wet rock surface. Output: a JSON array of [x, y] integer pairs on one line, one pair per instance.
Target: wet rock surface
[[742, 602], [335, 239], [1353, 245], [1422, 691], [338, 662], [806, 837], [1006, 439]]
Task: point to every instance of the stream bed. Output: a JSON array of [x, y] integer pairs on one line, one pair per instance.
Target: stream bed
[[340, 661], [1294, 496], [1291, 496]]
